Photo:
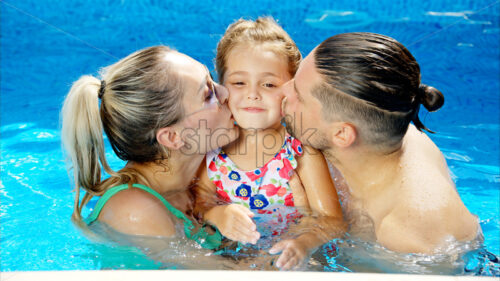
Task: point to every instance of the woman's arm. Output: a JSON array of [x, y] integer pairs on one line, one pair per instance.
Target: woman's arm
[[205, 196]]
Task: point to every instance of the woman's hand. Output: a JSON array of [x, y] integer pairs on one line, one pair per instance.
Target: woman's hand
[[235, 222], [293, 253]]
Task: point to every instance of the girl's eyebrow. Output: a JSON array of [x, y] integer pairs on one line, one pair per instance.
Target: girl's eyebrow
[[265, 74], [236, 73], [261, 74]]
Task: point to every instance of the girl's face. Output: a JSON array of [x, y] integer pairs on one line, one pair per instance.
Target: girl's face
[[207, 123], [254, 77]]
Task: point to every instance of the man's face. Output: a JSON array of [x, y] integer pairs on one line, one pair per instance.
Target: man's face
[[302, 110]]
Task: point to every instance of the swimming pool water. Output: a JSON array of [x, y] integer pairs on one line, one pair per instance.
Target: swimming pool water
[[46, 45]]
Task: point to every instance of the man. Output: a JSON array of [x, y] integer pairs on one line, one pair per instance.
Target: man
[[353, 98]]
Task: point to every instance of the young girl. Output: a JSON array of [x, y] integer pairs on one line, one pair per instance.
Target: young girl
[[265, 169]]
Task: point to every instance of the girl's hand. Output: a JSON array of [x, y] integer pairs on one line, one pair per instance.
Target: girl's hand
[[293, 254], [235, 222]]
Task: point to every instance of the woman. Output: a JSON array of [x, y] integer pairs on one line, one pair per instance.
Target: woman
[[161, 112]]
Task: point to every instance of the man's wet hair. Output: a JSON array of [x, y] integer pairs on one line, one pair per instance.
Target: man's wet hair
[[373, 81]]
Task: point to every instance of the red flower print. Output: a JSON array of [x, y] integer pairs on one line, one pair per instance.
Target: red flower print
[[222, 158], [285, 172], [294, 217], [219, 185], [280, 218], [223, 195], [223, 170], [297, 146], [282, 191], [278, 156], [255, 175], [289, 200], [212, 166], [270, 189]]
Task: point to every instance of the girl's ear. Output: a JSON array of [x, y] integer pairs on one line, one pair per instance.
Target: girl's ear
[[344, 134], [169, 138]]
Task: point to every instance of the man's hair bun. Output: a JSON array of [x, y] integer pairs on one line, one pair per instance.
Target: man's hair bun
[[430, 97]]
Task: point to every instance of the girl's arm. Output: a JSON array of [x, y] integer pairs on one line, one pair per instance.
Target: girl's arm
[[327, 221], [233, 221], [315, 176]]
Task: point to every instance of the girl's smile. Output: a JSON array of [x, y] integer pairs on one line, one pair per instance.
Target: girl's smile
[[253, 109]]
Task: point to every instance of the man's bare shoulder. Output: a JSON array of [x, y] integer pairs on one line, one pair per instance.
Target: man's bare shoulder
[[413, 229], [425, 175], [429, 209], [135, 211]]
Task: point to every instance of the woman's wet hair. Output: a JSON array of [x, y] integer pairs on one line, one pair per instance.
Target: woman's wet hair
[[263, 31], [373, 81], [133, 99]]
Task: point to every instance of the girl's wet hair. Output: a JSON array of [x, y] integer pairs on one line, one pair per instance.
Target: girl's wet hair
[[250, 33], [133, 99], [373, 81]]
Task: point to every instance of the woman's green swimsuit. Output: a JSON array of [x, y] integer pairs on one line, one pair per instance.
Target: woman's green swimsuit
[[207, 241]]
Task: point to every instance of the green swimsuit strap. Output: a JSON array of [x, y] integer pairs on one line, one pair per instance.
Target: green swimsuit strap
[[202, 237]]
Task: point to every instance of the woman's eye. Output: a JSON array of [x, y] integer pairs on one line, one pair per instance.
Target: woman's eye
[[209, 95], [238, 83]]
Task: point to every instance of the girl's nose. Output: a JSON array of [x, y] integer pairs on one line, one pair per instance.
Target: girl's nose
[[253, 94]]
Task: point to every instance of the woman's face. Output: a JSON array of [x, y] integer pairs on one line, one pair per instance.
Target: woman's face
[[207, 122]]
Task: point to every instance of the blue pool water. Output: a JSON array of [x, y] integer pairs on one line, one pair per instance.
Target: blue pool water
[[46, 45]]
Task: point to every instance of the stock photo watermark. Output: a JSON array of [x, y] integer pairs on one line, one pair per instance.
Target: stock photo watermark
[[202, 138]]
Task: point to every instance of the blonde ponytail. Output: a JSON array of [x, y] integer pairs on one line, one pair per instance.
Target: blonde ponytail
[[82, 136], [139, 96]]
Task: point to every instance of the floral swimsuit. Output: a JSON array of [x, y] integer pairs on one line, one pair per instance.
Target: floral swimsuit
[[265, 190], [258, 189]]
